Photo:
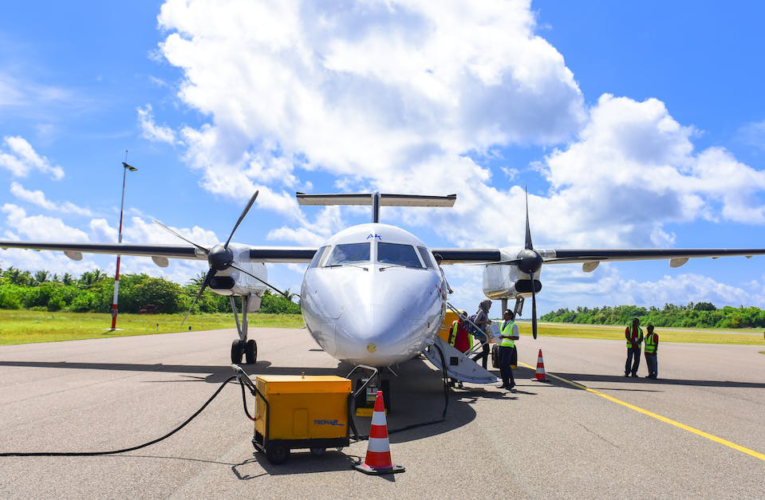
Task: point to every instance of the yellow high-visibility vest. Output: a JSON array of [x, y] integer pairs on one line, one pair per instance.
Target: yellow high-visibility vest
[[507, 330], [650, 343], [632, 334]]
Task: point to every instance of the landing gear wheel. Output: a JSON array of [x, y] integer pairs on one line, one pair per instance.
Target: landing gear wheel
[[318, 452], [251, 352], [277, 454], [236, 351], [385, 387]]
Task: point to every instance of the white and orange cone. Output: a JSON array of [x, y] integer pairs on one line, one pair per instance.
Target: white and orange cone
[[540, 375], [378, 459]]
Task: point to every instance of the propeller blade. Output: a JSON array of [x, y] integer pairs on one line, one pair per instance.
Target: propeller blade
[[205, 250], [208, 278], [241, 218], [533, 306], [265, 283], [529, 245]]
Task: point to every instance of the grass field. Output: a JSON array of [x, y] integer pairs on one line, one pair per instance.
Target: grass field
[[24, 327], [699, 336]]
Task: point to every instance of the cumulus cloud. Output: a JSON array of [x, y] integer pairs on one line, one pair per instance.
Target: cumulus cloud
[[362, 89], [38, 198], [18, 156], [39, 227], [151, 131]]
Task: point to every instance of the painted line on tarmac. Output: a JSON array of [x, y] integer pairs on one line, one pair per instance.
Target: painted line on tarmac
[[651, 414]]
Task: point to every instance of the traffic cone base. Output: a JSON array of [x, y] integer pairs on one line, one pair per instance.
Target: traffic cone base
[[378, 460], [540, 375]]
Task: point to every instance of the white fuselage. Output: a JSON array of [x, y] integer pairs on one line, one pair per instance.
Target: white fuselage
[[373, 295]]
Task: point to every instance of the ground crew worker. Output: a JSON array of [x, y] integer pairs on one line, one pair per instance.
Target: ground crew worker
[[459, 338], [439, 259], [634, 336], [482, 321], [651, 352], [508, 335]]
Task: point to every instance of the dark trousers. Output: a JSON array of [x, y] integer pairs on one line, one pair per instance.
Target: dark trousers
[[505, 361], [633, 358], [653, 365], [484, 354]]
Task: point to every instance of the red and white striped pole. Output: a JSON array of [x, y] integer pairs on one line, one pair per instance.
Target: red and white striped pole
[[126, 167]]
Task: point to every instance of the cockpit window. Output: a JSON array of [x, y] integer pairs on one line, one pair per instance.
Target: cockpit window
[[317, 257], [350, 253], [426, 257], [397, 254]]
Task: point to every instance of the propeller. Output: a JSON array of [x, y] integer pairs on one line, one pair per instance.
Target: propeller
[[220, 257], [530, 262]]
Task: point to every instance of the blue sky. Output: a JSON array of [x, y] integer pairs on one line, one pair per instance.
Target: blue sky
[[632, 123]]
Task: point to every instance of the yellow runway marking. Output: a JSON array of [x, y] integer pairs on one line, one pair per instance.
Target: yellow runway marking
[[651, 414]]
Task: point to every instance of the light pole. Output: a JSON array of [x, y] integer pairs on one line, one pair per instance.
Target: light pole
[[125, 169]]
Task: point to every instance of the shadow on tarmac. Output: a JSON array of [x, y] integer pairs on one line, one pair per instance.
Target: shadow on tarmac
[[584, 378]]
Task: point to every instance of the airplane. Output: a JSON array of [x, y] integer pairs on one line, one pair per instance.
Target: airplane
[[373, 294]]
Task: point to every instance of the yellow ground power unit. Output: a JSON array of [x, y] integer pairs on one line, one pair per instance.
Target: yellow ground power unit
[[294, 412]]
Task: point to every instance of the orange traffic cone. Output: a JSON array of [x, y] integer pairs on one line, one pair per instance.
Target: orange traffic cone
[[540, 375], [378, 459]]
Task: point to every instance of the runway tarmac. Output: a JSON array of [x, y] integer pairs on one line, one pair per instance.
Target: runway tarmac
[[546, 440]]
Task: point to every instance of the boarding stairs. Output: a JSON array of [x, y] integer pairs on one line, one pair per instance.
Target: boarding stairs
[[459, 365]]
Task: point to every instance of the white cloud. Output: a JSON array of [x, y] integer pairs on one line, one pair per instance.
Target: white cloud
[[753, 134], [20, 159], [362, 90], [152, 131], [40, 227], [38, 198]]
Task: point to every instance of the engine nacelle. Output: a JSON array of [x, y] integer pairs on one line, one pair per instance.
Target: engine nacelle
[[506, 281], [233, 282]]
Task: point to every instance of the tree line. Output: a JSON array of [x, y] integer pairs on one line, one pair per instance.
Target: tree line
[[699, 315], [93, 291]]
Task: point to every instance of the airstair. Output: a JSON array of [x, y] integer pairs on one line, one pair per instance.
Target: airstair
[[458, 365]]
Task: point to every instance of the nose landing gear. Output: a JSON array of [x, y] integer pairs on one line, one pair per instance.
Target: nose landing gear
[[365, 391], [243, 346]]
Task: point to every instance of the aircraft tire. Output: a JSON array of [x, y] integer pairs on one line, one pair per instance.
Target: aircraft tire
[[236, 352], [251, 352], [385, 387]]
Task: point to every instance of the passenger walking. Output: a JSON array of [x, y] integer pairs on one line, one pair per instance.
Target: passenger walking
[[482, 321], [651, 352], [459, 337], [634, 336], [508, 335]]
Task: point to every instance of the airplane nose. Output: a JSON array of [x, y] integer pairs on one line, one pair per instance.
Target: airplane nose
[[389, 319]]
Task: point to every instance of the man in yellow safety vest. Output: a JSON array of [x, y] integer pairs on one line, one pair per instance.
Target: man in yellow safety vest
[[508, 335], [634, 336], [651, 352]]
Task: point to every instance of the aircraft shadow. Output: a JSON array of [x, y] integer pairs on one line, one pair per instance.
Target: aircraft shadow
[[585, 378]]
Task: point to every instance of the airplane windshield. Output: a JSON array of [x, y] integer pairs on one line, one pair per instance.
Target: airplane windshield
[[350, 253], [400, 255]]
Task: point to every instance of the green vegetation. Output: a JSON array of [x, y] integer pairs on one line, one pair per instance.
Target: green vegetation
[[701, 315], [139, 293], [23, 327], [617, 333]]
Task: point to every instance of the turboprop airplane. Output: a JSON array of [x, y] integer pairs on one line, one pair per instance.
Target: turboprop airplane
[[372, 294]]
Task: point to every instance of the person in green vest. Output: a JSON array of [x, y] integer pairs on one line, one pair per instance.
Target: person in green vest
[[634, 336], [651, 352], [508, 335]]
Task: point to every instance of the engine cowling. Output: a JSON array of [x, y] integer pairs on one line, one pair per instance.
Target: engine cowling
[[234, 282], [507, 281]]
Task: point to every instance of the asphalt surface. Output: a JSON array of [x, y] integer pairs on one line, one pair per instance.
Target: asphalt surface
[[546, 440]]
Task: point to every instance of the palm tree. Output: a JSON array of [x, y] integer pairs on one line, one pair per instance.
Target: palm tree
[[67, 279], [42, 276]]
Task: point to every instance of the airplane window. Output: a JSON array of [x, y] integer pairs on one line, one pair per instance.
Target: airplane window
[[349, 253], [317, 257], [394, 253], [426, 257]]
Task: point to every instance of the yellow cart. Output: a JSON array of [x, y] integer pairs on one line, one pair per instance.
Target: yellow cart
[[293, 412]]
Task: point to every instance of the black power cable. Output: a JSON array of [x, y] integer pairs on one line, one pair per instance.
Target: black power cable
[[133, 448]]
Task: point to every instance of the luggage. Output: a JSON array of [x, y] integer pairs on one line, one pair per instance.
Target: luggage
[[494, 356]]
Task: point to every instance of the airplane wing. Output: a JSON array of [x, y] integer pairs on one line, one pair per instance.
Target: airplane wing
[[565, 256], [75, 251]]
